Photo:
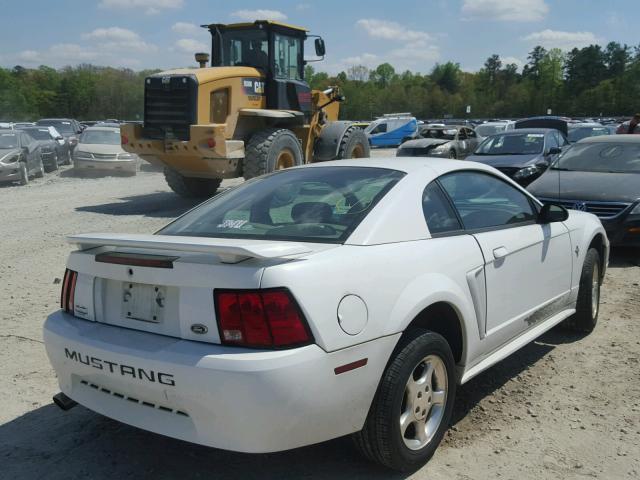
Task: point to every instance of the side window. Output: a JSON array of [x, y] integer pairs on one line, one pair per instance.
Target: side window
[[380, 128], [562, 141], [440, 216], [552, 141], [471, 133], [484, 201], [287, 53], [462, 134]]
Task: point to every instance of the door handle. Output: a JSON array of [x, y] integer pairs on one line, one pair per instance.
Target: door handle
[[500, 252]]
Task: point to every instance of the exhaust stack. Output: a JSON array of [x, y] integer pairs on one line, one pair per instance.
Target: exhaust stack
[[202, 59], [64, 402]]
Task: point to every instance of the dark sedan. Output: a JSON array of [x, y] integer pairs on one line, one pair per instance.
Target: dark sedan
[[52, 146], [70, 130], [523, 154], [600, 175]]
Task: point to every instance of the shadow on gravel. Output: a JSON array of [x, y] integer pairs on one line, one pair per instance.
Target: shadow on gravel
[[472, 392], [621, 257], [49, 443], [159, 204]]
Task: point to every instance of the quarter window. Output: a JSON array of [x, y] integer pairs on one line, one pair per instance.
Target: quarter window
[[484, 201], [440, 216]]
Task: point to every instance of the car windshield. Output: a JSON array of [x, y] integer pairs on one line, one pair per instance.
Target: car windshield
[[8, 140], [439, 133], [486, 130], [512, 144], [39, 133], [101, 137], [61, 125], [323, 204], [579, 133], [601, 157]]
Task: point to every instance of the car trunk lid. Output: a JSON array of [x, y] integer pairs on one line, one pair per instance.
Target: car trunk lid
[[164, 284]]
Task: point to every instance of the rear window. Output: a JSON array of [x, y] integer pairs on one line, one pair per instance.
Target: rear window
[[61, 125], [323, 204]]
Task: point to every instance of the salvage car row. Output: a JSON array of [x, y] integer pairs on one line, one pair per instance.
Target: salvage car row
[[580, 166], [29, 150]]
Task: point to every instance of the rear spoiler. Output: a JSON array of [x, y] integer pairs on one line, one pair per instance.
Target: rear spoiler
[[228, 250]]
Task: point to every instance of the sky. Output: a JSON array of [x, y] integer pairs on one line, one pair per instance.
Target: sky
[[411, 35]]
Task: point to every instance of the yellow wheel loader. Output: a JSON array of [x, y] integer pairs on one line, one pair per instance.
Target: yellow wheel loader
[[250, 113]]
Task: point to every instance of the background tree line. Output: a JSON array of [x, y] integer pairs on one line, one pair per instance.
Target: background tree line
[[583, 82]]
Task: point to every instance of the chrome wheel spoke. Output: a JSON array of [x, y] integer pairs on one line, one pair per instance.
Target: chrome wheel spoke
[[438, 397], [406, 419]]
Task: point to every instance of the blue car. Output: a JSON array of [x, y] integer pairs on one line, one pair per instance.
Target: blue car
[[391, 131]]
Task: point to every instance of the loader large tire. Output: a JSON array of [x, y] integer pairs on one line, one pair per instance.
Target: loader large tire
[[271, 149], [354, 144], [191, 187]]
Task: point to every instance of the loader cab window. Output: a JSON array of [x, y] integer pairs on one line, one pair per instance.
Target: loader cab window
[[248, 48], [288, 57]]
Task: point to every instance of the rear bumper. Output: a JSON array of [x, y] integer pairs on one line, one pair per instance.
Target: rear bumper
[[192, 158], [229, 398]]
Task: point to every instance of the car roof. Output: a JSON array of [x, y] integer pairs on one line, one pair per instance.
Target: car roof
[[526, 130], [612, 139], [435, 166], [102, 129], [585, 124]]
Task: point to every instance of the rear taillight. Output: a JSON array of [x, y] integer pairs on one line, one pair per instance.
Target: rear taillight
[[68, 290], [260, 318]]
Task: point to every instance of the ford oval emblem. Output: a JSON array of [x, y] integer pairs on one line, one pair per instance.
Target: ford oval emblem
[[199, 329], [580, 206]]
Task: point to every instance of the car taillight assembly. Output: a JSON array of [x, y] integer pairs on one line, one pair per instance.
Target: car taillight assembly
[[68, 290], [268, 318]]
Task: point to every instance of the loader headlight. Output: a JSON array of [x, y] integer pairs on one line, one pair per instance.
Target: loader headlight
[[219, 105]]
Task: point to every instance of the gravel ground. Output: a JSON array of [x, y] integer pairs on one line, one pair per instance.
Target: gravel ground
[[562, 407]]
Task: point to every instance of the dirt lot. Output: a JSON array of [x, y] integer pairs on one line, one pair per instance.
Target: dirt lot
[[563, 407]]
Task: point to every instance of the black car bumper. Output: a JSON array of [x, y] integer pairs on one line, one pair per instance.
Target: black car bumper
[[624, 232]]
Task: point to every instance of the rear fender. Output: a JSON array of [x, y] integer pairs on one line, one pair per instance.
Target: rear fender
[[438, 288]]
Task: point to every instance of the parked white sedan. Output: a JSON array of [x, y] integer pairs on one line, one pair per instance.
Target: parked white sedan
[[345, 297]]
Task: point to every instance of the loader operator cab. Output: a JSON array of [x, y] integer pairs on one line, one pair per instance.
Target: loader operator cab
[[275, 49]]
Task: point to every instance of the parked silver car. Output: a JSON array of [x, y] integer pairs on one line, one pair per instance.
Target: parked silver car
[[20, 157], [450, 141], [99, 150]]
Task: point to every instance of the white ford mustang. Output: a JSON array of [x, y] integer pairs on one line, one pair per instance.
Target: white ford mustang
[[339, 298]]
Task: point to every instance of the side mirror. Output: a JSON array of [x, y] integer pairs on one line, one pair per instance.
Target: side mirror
[[554, 151], [319, 44], [552, 213]]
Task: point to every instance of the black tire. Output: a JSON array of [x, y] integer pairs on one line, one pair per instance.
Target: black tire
[[453, 155], [381, 440], [40, 170], [53, 166], [354, 144], [191, 187], [270, 150], [24, 174], [587, 307]]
